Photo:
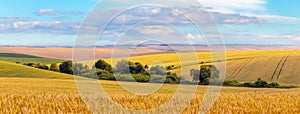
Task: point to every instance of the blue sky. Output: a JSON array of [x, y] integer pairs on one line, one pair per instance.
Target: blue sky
[[55, 22]]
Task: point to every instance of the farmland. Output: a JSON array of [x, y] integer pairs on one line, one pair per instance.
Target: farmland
[[271, 65], [37, 95], [29, 90], [11, 57]]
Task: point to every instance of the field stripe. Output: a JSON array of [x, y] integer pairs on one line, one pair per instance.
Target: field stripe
[[240, 68], [280, 71], [279, 68]]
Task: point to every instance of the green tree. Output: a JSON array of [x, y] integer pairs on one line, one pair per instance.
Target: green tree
[[123, 67], [126, 67], [205, 72], [54, 67], [138, 68], [273, 85], [261, 83], [40, 66], [66, 67], [79, 69], [101, 64], [158, 70], [146, 66]]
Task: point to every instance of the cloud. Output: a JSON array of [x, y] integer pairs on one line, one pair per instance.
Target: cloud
[[297, 38], [154, 30], [4, 27], [233, 5], [191, 36], [52, 12], [44, 27], [172, 16], [14, 18], [235, 18]]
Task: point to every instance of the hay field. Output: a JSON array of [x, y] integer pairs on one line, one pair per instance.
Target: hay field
[[38, 95], [271, 65], [29, 90], [66, 53]]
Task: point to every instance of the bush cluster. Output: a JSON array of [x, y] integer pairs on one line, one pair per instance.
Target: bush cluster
[[36, 65]]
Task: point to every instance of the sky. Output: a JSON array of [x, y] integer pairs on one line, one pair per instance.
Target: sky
[[56, 22]]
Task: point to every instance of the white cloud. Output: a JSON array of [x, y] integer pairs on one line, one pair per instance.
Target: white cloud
[[44, 27], [154, 30], [232, 5], [190, 36], [53, 12], [45, 11], [4, 27], [277, 18], [297, 39], [155, 11]]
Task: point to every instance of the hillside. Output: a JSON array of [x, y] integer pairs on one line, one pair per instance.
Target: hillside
[[23, 58], [271, 65], [14, 70]]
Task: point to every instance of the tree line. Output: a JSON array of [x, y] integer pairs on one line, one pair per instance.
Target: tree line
[[135, 71]]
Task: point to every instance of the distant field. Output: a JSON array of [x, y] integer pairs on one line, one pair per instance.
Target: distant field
[[66, 53], [105, 52], [271, 65], [12, 57]]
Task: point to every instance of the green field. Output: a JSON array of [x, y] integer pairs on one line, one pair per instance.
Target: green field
[[21, 71], [12, 57]]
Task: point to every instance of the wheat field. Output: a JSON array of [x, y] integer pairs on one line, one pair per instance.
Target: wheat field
[[34, 95], [29, 90], [271, 65]]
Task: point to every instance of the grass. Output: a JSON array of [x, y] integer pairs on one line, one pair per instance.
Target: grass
[[15, 70], [12, 57]]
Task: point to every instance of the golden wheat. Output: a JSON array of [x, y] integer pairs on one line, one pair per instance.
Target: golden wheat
[[64, 98]]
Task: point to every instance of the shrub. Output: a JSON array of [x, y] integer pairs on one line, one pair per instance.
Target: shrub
[[30, 64], [248, 84], [127, 67], [172, 79], [66, 67], [206, 71], [273, 85], [54, 67], [104, 75], [45, 67], [79, 69], [261, 83], [101, 64], [231, 83], [158, 70]]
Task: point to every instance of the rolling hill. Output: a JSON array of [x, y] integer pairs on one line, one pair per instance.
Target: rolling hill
[[23, 58], [271, 65], [20, 71]]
